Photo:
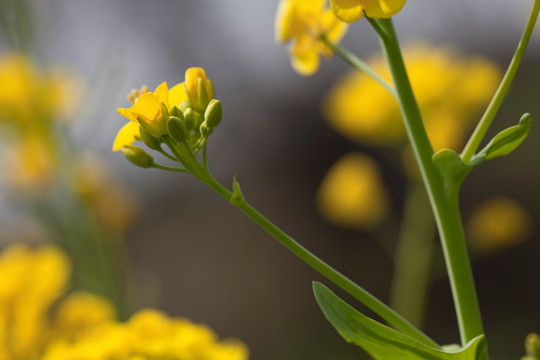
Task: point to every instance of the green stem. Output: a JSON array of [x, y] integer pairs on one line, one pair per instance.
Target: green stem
[[168, 168], [166, 154], [413, 256], [359, 64], [496, 102], [444, 203], [331, 274]]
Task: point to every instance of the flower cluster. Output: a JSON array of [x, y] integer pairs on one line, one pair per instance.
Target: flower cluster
[[82, 326], [313, 27], [304, 23], [182, 117], [450, 89]]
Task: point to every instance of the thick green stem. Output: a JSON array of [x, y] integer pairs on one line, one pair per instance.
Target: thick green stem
[[496, 102], [413, 256], [444, 203], [359, 64], [320, 266]]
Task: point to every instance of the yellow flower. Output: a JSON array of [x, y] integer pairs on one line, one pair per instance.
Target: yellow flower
[[147, 108], [498, 223], [81, 311], [32, 162], [304, 22], [352, 10], [149, 334], [29, 98], [31, 280], [150, 110], [450, 89], [351, 194], [112, 204]]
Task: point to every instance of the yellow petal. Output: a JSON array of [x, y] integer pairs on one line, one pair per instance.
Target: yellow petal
[[334, 28], [126, 113], [192, 80], [349, 10], [146, 106], [306, 63], [162, 93], [286, 24], [127, 135], [177, 94], [382, 9]]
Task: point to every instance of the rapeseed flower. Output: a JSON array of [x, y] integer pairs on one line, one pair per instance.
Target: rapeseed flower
[[351, 194], [151, 110], [498, 223], [37, 322], [353, 10], [304, 22], [451, 90], [31, 280], [148, 335]]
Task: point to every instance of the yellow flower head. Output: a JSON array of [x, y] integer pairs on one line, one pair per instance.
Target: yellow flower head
[[30, 98], [352, 10], [31, 280], [303, 22], [498, 223], [199, 88], [149, 334], [351, 194], [148, 110], [450, 89], [151, 110]]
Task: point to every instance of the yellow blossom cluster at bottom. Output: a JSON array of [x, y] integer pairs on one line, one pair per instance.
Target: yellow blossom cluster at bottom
[[148, 335], [37, 323]]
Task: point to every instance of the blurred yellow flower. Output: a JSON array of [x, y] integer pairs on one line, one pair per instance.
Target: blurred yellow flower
[[353, 10], [148, 335], [31, 98], [31, 280], [83, 326], [351, 194], [32, 163], [450, 89], [498, 223], [303, 22], [114, 207]]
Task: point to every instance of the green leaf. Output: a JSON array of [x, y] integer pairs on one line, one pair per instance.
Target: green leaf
[[382, 342], [504, 142]]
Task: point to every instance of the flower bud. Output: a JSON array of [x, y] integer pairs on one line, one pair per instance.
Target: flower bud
[[177, 129], [190, 117], [137, 156], [212, 115], [177, 112], [199, 88], [532, 345], [149, 140]]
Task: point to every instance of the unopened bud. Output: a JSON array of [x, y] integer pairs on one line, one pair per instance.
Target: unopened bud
[[205, 130], [177, 129], [137, 156], [190, 117], [149, 140], [177, 112], [532, 345], [212, 115]]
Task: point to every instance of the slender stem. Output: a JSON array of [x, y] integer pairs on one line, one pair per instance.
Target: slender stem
[[496, 102], [444, 202], [333, 275], [166, 154], [413, 256], [359, 64], [168, 168]]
